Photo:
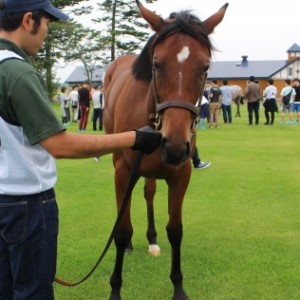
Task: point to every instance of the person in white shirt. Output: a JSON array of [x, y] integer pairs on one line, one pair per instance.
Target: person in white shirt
[[227, 95], [270, 105], [74, 99], [98, 102], [64, 105], [287, 107]]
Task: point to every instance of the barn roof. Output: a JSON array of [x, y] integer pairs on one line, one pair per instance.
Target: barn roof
[[294, 48], [79, 75], [244, 69]]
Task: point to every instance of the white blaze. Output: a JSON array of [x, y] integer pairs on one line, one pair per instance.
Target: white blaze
[[183, 54], [180, 83], [181, 57]]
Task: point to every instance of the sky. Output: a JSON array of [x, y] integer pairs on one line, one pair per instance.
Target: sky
[[260, 29]]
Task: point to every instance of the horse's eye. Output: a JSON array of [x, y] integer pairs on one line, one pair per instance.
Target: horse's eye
[[205, 69]]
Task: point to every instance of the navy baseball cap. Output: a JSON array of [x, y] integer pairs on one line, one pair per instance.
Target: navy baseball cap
[[16, 6]]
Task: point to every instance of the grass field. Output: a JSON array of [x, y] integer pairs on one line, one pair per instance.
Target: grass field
[[241, 221]]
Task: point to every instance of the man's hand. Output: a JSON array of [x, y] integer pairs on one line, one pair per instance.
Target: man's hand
[[147, 139]]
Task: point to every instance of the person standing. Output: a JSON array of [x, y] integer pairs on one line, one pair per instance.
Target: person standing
[[64, 100], [203, 112], [214, 104], [289, 92], [31, 137], [84, 104], [252, 94], [296, 103], [98, 103], [74, 99], [270, 104], [227, 95]]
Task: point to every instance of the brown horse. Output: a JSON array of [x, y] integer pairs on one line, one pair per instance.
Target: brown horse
[[237, 98], [162, 83]]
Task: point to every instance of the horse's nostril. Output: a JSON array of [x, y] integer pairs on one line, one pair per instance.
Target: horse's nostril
[[174, 153], [188, 149], [163, 142]]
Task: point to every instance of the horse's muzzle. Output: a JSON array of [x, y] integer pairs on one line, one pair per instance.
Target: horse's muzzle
[[175, 154]]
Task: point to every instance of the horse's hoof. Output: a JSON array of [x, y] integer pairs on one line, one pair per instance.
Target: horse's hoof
[[115, 296], [181, 297], [154, 250], [129, 248]]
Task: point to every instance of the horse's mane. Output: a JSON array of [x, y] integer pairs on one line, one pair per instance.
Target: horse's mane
[[184, 22]]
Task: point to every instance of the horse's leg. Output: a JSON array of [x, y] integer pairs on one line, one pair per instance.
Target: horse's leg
[[149, 192], [239, 104], [177, 188], [237, 107], [124, 231]]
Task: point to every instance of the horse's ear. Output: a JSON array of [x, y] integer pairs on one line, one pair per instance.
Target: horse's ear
[[155, 21], [215, 19]]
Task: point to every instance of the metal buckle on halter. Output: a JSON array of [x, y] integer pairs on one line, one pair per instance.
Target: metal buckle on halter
[[157, 122]]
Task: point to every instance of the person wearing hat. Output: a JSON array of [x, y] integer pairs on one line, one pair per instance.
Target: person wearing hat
[[31, 137], [252, 94]]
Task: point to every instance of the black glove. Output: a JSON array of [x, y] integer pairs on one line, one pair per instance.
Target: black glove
[[147, 140]]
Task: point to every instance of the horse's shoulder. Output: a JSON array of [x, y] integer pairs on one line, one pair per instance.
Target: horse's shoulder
[[236, 87], [126, 58]]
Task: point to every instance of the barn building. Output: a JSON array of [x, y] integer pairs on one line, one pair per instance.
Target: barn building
[[238, 72]]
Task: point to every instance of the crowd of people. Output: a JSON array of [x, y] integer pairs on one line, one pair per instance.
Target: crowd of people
[[217, 99], [75, 105]]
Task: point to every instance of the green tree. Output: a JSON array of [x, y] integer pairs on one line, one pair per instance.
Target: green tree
[[85, 45], [122, 28], [50, 52]]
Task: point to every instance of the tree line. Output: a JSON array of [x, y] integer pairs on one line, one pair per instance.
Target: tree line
[[120, 30]]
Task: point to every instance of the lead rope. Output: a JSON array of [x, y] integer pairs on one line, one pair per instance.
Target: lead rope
[[131, 182]]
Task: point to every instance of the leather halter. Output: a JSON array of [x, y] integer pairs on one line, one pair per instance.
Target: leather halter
[[161, 106], [177, 103]]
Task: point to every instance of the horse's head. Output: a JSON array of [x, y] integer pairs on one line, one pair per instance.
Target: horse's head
[[176, 60]]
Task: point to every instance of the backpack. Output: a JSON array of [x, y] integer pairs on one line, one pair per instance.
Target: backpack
[[286, 99]]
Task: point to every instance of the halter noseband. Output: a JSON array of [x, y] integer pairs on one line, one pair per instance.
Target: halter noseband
[[156, 118], [177, 103]]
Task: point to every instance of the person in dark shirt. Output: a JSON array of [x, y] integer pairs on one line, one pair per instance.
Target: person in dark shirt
[[252, 94], [84, 104], [296, 104], [215, 97]]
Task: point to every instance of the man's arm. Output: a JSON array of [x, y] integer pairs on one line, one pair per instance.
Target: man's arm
[[75, 145]]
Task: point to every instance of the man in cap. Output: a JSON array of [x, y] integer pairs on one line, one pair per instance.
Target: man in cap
[[31, 136]]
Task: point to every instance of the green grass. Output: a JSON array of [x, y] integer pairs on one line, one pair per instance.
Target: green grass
[[240, 216]]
